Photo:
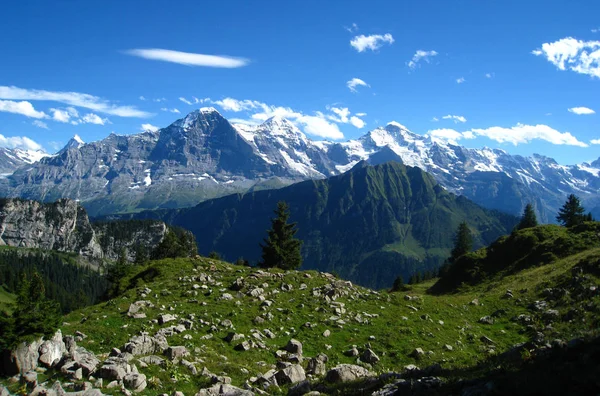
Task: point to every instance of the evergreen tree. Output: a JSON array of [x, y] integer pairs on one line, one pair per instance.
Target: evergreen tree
[[528, 219], [281, 249], [463, 242], [141, 254], [214, 255], [589, 217], [398, 284], [34, 315], [571, 213]]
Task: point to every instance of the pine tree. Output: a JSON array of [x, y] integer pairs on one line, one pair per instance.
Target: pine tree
[[281, 249], [141, 254], [398, 284], [571, 213], [528, 219], [463, 242]]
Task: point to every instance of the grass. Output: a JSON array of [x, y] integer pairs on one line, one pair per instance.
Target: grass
[[392, 328]]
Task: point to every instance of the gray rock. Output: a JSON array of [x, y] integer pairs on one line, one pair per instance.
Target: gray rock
[[29, 379], [369, 356], [294, 346], [165, 318], [317, 365], [135, 382], [176, 352], [417, 353], [224, 390], [51, 351], [486, 320], [346, 373], [290, 375]]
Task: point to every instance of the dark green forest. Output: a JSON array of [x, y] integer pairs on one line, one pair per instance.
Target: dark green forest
[[70, 284]]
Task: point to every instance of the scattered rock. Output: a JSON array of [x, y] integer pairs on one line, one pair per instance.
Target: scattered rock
[[294, 346], [346, 373], [417, 353], [290, 375]]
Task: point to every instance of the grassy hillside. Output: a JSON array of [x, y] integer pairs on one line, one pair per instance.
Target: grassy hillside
[[368, 225], [448, 327], [6, 299]]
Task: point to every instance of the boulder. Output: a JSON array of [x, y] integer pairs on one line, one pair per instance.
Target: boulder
[[135, 382], [369, 356], [29, 379], [165, 318], [417, 353], [316, 365], [224, 390], [176, 352], [290, 375], [145, 345], [346, 373], [294, 346], [51, 351]]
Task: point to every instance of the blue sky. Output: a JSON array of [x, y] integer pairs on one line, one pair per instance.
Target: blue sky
[[506, 72]]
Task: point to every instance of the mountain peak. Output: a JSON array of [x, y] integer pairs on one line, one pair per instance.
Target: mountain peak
[[201, 114], [77, 139], [75, 142], [395, 125]]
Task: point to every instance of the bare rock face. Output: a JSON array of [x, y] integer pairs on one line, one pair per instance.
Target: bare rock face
[[51, 351], [62, 226]]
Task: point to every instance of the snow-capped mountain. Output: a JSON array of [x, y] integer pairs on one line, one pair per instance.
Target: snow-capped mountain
[[12, 159], [203, 156]]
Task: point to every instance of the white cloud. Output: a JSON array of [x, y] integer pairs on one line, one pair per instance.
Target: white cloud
[[455, 118], [357, 122], [448, 135], [352, 28], [581, 110], [92, 118], [596, 30], [341, 113], [421, 55], [435, 119], [60, 115], [184, 100], [460, 80], [595, 141], [490, 75], [518, 134], [231, 104], [173, 110], [576, 55], [73, 99], [21, 142], [318, 126], [373, 42], [23, 108], [188, 58], [142, 98], [40, 124], [361, 114], [355, 82], [149, 127]]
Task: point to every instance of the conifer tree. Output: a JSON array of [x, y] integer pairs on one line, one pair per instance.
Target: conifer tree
[[528, 219], [571, 213], [141, 254], [463, 242], [398, 284], [281, 249]]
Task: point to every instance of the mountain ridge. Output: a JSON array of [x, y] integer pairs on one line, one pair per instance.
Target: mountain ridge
[[203, 156]]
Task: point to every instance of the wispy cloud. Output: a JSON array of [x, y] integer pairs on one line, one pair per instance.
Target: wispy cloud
[[40, 124], [519, 134], [355, 82], [595, 141], [373, 42], [421, 55], [344, 116], [194, 100], [455, 118], [173, 110], [72, 99], [460, 80], [24, 108], [188, 58], [595, 30], [571, 54], [490, 75], [142, 98], [581, 110], [92, 118], [352, 28], [22, 142], [149, 127]]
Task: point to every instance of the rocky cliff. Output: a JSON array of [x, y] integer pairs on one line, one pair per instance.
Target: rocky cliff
[[64, 226]]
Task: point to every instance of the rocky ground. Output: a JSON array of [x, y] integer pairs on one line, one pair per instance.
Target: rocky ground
[[203, 327]]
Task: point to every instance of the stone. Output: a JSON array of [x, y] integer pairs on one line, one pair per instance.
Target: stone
[[316, 365], [290, 375], [224, 390], [226, 296], [486, 320], [346, 373], [244, 346], [486, 340], [326, 333], [448, 347], [165, 318], [237, 284], [145, 345], [153, 360], [23, 358], [369, 356], [417, 353], [551, 314], [176, 352], [51, 351], [294, 346], [29, 379], [234, 337], [226, 323], [135, 381], [112, 372], [136, 307]]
